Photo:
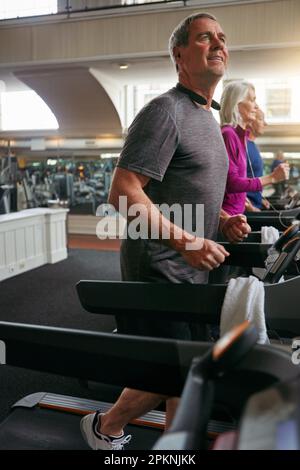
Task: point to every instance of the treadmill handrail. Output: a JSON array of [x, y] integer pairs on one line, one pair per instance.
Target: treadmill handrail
[[152, 364], [136, 362], [190, 302], [275, 213]]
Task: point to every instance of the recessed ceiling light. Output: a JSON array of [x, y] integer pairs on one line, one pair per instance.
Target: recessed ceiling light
[[123, 66]]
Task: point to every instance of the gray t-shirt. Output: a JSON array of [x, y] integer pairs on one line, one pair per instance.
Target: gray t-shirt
[[180, 147]]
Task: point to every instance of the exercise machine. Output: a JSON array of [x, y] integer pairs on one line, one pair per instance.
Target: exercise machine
[[203, 303], [43, 421], [188, 429], [252, 253], [280, 219], [270, 420]]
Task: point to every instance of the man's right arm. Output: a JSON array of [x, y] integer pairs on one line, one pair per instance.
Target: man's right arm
[[200, 253]]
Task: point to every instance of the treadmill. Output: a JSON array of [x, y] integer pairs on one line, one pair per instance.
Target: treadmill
[[38, 421], [51, 422], [251, 253], [280, 219], [191, 302], [270, 420]]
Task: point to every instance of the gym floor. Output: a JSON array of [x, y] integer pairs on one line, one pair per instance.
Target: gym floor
[[91, 242], [47, 295]]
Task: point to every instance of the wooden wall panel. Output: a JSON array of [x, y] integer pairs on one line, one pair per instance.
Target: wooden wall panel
[[269, 24]]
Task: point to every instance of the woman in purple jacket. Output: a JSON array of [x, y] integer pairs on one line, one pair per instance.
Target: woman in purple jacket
[[238, 110]]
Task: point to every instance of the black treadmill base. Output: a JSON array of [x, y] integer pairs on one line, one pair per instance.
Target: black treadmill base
[[41, 429]]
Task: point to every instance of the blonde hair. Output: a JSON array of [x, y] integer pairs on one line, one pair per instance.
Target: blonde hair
[[232, 95]]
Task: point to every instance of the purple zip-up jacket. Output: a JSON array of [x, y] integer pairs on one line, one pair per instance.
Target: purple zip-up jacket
[[237, 184]]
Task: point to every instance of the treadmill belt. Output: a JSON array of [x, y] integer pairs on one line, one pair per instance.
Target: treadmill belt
[[49, 421], [43, 429]]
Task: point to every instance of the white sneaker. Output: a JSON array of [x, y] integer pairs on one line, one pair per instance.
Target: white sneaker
[[98, 441]]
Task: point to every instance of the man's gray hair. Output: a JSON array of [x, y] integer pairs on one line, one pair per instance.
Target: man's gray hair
[[232, 95], [180, 35]]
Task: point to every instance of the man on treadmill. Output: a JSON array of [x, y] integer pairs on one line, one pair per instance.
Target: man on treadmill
[[174, 154]]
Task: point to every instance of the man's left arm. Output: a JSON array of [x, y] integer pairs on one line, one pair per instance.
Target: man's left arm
[[234, 228]]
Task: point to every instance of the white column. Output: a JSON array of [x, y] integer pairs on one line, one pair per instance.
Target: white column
[[56, 237]]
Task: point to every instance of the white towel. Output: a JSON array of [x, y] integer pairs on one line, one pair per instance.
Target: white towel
[[269, 235], [244, 300]]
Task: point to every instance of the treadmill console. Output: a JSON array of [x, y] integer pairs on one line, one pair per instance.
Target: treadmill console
[[278, 262], [284, 251]]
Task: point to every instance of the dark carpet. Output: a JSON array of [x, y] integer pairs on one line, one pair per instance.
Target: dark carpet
[[47, 296]]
